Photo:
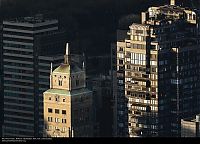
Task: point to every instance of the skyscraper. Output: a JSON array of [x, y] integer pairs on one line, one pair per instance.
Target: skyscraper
[[101, 85], [29, 45], [68, 107], [156, 74]]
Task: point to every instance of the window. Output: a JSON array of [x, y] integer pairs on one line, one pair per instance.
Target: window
[[64, 129], [57, 98], [50, 119], [120, 61], [60, 82], [121, 55], [57, 111], [120, 48], [63, 111], [63, 100], [148, 109], [49, 98], [64, 120], [128, 67], [50, 110], [153, 69], [50, 127], [120, 81], [139, 31], [57, 120], [77, 82]]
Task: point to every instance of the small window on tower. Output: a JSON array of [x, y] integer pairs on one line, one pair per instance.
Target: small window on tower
[[77, 82], [63, 100], [55, 75], [57, 111], [63, 111], [60, 82], [50, 110], [49, 98], [57, 98]]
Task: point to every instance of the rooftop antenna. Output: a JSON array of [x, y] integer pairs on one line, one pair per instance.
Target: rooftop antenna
[[51, 67], [83, 60], [83, 65]]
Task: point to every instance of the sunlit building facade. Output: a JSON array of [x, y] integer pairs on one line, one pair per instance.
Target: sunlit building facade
[[68, 107], [157, 73]]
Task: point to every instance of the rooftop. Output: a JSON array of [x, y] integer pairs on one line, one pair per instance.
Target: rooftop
[[172, 8], [65, 68], [66, 92], [192, 119], [31, 20]]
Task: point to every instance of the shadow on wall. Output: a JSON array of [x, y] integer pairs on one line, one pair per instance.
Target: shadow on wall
[[55, 131]]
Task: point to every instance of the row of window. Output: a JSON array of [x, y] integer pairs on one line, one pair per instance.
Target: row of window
[[17, 45], [57, 111], [18, 77], [12, 88], [53, 25], [17, 64], [17, 132], [138, 38], [63, 129], [15, 70], [57, 99], [19, 101], [19, 120], [57, 120]]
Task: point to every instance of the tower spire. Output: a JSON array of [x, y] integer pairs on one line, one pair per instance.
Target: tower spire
[[83, 63], [51, 76], [66, 56], [172, 2]]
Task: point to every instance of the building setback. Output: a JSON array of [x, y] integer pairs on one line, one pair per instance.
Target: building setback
[[157, 72], [68, 104], [30, 44]]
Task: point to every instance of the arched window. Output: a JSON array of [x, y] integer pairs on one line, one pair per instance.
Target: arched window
[[60, 82]]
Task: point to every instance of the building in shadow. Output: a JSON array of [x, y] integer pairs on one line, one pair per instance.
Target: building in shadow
[[30, 44]]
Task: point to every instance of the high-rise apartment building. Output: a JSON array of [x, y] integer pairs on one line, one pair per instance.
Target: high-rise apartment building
[[156, 76], [68, 107], [30, 44]]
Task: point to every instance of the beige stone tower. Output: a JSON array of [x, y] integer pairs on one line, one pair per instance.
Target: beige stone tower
[[68, 103]]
